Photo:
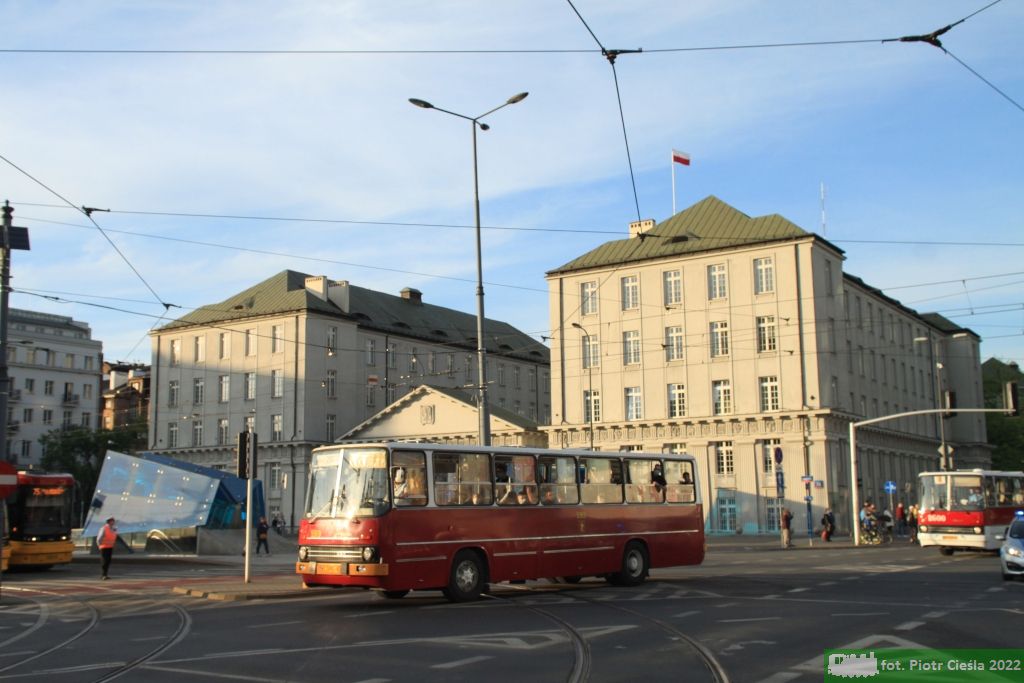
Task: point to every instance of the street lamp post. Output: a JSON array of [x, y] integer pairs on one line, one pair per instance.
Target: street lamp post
[[589, 405], [937, 366], [481, 351]]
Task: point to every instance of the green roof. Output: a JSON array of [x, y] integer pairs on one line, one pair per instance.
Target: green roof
[[286, 293], [708, 225]]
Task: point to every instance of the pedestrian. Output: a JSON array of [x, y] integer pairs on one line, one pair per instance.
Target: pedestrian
[[828, 525], [912, 523], [787, 528], [901, 520], [262, 531], [276, 525], [105, 541]]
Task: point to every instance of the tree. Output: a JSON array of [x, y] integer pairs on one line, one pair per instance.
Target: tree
[[79, 451], [1005, 433]]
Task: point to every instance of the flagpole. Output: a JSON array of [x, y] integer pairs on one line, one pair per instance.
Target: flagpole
[[672, 162]]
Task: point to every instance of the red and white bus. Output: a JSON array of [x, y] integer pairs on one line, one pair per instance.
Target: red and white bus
[[414, 516], [967, 509]]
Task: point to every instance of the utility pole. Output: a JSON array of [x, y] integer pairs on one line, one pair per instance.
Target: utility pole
[[11, 238]]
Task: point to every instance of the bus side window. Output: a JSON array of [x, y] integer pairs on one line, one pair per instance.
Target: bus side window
[[557, 477], [514, 475], [645, 482], [603, 480], [679, 482], [408, 478]]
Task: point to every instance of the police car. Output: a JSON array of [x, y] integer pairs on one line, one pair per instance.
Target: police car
[[1011, 553]]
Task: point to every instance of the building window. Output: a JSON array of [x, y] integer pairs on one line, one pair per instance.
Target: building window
[[634, 404], [276, 427], [274, 476], [276, 384], [432, 363], [591, 352], [250, 386], [501, 374], [674, 343], [30, 385], [725, 506], [175, 352], [86, 419], [87, 391], [829, 288], [224, 388], [588, 298], [172, 435], [224, 345], [389, 394], [630, 292], [48, 387], [371, 395], [329, 427], [250, 342], [451, 365], [173, 389], [517, 382], [764, 275], [198, 390], [591, 406], [277, 339], [719, 339], [26, 415], [766, 334], [223, 438], [769, 387], [26, 449], [249, 424], [672, 281], [390, 356], [199, 348], [47, 416], [676, 400], [724, 463], [631, 347], [533, 379], [468, 369], [717, 283], [371, 352], [768, 447], [331, 384], [413, 369], [721, 397], [197, 433]]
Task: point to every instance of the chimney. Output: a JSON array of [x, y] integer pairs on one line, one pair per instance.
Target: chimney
[[317, 285], [337, 294], [413, 295], [637, 228]]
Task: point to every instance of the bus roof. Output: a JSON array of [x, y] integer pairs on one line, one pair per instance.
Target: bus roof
[[44, 478], [510, 450]]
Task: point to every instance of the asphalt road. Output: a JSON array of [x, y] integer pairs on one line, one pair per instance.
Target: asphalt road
[[752, 613]]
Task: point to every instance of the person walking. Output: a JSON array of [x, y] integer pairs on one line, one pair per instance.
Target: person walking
[[105, 541], [262, 534], [901, 520], [912, 523], [828, 524], [787, 528]]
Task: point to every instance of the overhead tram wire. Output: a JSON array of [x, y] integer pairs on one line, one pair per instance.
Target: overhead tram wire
[[88, 214]]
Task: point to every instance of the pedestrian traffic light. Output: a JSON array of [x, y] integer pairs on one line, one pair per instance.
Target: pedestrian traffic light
[[950, 404], [243, 455], [1011, 399]]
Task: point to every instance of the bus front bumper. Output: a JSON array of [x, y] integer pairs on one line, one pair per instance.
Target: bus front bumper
[[340, 569]]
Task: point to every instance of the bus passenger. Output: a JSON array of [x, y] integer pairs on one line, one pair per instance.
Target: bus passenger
[[658, 478], [401, 484], [549, 497], [686, 478]]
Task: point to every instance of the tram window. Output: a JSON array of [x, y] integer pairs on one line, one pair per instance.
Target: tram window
[[409, 478], [515, 480], [645, 481], [462, 479], [557, 477], [679, 482], [602, 480]]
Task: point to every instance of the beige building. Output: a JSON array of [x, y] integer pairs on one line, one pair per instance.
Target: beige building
[[736, 339], [302, 359]]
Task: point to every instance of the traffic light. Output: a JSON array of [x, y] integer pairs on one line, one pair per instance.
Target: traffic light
[[1011, 399], [243, 455], [950, 400]]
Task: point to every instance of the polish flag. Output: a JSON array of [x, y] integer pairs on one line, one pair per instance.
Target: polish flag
[[681, 158]]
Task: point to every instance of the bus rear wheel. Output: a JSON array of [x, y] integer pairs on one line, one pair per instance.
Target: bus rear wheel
[[635, 566], [466, 581]]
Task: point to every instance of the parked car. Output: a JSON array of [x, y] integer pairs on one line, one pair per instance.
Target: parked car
[[1011, 553]]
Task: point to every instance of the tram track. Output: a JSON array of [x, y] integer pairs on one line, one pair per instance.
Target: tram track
[[583, 660], [44, 614]]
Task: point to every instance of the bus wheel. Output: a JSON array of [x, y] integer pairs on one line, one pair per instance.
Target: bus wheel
[[572, 579], [635, 566], [466, 582], [946, 551], [394, 595]]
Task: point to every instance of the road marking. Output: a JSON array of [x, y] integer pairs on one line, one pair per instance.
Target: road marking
[[859, 614], [140, 640], [727, 604], [908, 626], [461, 662], [781, 677], [369, 614], [995, 590], [797, 590], [279, 623], [827, 583], [232, 677], [738, 621], [935, 615], [769, 597], [682, 615]]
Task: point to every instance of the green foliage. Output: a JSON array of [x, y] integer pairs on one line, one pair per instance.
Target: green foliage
[[79, 451], [1005, 433]]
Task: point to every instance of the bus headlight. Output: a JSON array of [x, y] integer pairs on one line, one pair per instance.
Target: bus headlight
[[978, 530], [303, 553], [369, 553], [924, 527]]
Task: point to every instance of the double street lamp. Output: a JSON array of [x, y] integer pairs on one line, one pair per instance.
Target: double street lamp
[[485, 424]]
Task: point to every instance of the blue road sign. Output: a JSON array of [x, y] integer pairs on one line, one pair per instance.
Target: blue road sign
[[890, 487], [780, 481], [778, 455]]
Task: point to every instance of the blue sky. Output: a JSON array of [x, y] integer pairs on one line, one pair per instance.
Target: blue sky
[[911, 146]]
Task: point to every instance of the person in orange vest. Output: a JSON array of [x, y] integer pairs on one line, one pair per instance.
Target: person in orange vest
[[106, 539]]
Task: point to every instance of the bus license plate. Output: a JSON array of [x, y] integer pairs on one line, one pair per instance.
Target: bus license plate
[[949, 538], [332, 568]]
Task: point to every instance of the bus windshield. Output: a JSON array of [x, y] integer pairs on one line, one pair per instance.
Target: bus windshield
[[952, 492], [348, 482]]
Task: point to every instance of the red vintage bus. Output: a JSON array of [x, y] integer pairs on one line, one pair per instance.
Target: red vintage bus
[[415, 516], [967, 509]]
